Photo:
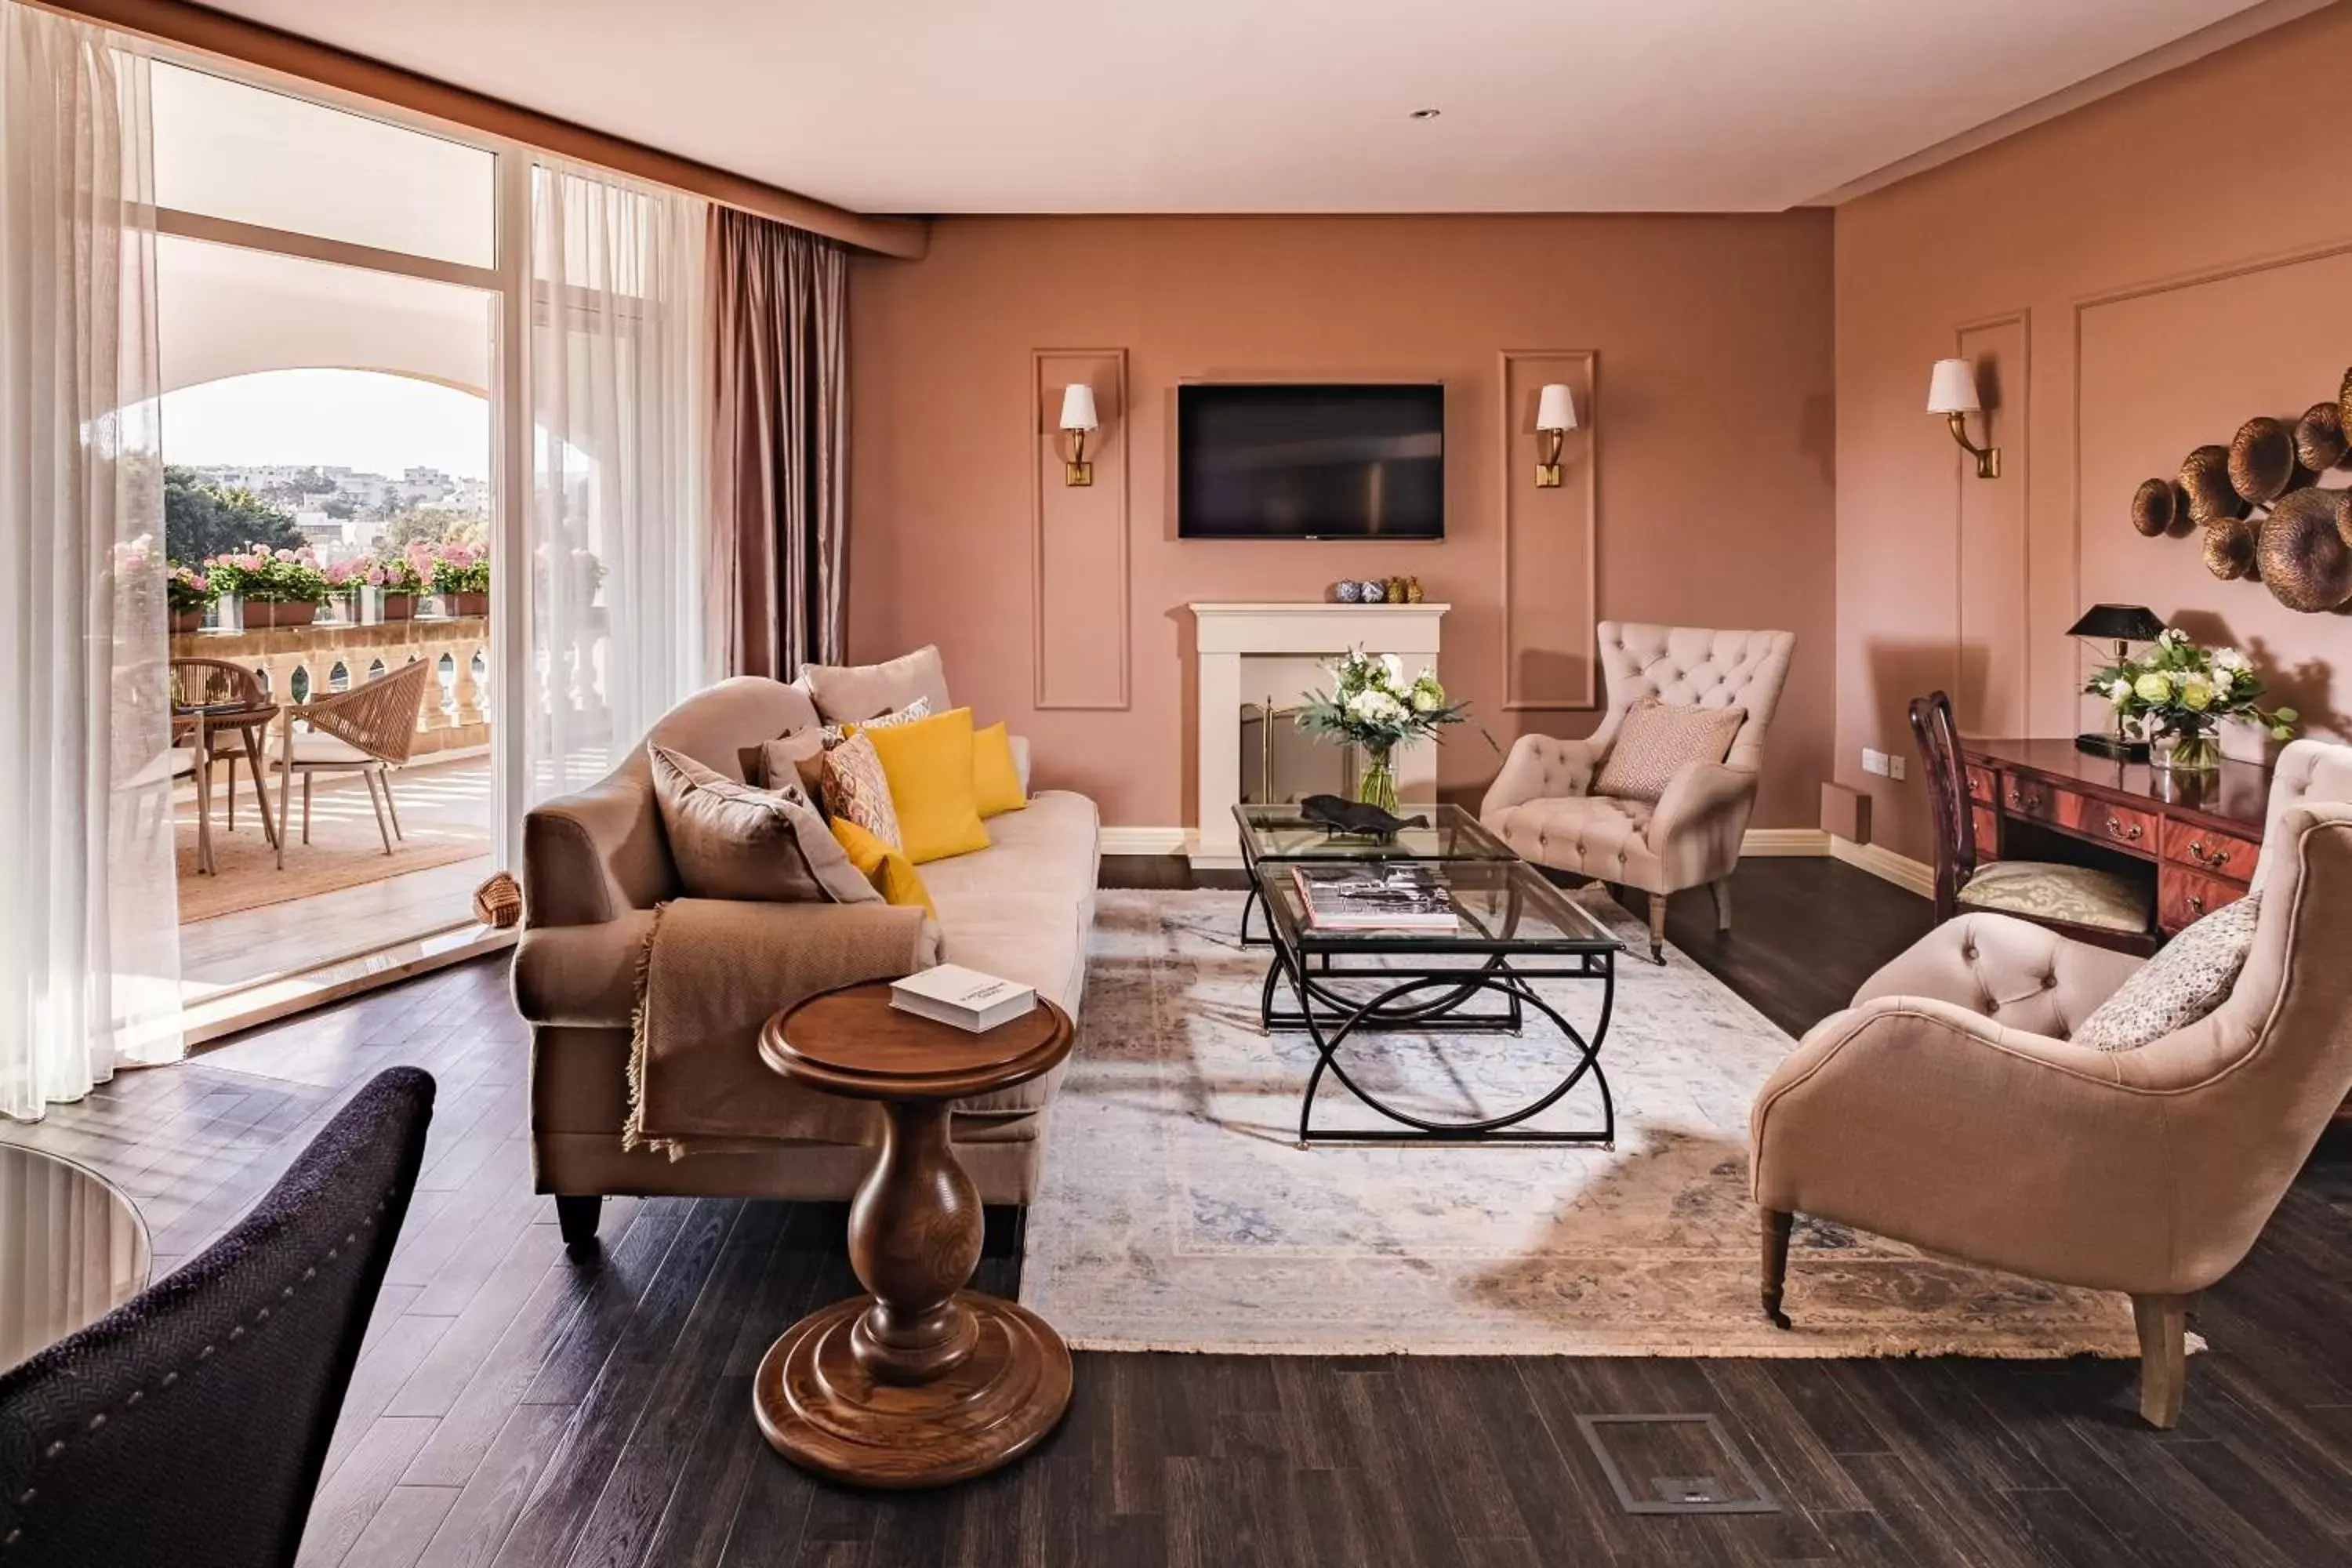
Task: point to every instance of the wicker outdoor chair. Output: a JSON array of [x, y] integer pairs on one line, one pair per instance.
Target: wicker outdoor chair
[[368, 731], [238, 725]]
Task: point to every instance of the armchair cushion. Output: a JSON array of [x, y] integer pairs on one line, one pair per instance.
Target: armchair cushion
[[2021, 975], [2075, 894], [1657, 741], [1541, 767], [2192, 975], [1590, 834]]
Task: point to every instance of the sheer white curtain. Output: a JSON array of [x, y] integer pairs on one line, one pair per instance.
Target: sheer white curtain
[[89, 909], [619, 507]]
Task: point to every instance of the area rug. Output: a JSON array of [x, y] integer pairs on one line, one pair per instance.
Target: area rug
[[445, 816], [1177, 1213]]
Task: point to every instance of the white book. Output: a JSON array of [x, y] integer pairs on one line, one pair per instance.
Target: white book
[[966, 998]]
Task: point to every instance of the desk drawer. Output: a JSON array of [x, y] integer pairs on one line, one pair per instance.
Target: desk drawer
[[2135, 832], [1984, 785], [2183, 897], [2224, 855]]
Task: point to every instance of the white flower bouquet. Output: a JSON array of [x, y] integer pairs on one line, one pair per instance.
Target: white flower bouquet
[[1372, 706], [2176, 694]]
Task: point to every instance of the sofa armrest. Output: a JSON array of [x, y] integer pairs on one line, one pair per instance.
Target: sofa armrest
[[2025, 976], [586, 975], [1700, 820], [1542, 767], [1927, 1122], [593, 855]]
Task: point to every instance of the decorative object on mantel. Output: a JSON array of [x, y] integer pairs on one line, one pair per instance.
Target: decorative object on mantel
[[1348, 591], [2122, 625], [1371, 705], [2264, 515], [2305, 550], [2176, 694], [1952, 393], [1395, 594], [2159, 506], [1412, 590], [1355, 818]]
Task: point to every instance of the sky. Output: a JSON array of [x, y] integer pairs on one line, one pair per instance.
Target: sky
[[355, 418]]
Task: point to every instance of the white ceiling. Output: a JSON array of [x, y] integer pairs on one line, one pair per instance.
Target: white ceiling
[[943, 106]]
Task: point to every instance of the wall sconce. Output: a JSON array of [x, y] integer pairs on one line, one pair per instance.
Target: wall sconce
[[1077, 418], [1952, 393], [1555, 417]]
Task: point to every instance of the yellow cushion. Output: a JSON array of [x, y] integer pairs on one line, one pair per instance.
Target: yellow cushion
[[995, 782], [928, 765], [893, 875]]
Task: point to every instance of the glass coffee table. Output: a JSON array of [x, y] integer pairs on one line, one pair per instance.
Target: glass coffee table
[[1512, 928]]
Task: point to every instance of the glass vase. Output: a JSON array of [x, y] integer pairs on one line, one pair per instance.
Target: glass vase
[[2185, 751], [1377, 785]]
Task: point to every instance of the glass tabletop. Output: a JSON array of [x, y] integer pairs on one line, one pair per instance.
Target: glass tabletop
[[1280, 833], [75, 1248], [1499, 906]]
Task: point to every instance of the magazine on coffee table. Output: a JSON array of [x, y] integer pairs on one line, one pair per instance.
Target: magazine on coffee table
[[1390, 895]]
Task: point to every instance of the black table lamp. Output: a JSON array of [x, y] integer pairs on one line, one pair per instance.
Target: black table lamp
[[2121, 625]]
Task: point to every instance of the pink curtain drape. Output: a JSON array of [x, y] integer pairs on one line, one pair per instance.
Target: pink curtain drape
[[780, 447]]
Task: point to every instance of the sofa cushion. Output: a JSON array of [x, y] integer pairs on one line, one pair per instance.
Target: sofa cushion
[[857, 790], [732, 841], [1657, 740], [997, 784], [847, 693], [1049, 847], [1036, 937], [888, 870]]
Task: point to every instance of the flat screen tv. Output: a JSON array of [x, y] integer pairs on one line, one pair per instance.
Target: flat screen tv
[[1310, 462]]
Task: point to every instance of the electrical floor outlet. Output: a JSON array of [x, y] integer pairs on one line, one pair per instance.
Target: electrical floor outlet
[[1675, 1464]]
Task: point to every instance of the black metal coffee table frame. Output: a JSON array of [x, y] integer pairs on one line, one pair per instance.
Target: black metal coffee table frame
[[1517, 928]]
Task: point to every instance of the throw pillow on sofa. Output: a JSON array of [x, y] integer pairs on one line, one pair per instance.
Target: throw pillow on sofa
[[929, 765], [853, 693], [731, 841], [891, 874], [1657, 740], [996, 783], [857, 790]]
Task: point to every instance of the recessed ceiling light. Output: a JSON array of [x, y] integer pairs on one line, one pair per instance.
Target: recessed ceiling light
[[1424, 115]]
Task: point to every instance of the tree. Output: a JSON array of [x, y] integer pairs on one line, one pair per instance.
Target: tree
[[202, 520], [435, 525]]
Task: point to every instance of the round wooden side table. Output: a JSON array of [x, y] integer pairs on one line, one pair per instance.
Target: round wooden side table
[[921, 1382]]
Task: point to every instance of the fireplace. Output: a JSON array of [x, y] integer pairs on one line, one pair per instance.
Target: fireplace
[[1254, 659]]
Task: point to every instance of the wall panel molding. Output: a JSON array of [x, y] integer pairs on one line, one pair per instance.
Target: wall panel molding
[[1991, 583], [1080, 647], [1550, 570]]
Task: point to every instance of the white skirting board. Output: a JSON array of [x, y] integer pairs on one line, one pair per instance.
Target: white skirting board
[[1886, 864]]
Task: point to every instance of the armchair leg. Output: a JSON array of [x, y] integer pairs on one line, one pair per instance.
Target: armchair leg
[[1657, 928], [1775, 1263], [1722, 889], [2163, 1323]]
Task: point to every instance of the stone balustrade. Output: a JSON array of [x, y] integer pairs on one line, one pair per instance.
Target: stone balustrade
[[299, 663]]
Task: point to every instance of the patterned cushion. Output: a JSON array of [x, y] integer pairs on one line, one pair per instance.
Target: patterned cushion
[[857, 790], [2075, 894], [1656, 739], [2190, 977], [920, 707]]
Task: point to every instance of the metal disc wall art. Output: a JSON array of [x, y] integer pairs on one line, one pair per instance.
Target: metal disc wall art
[[2304, 557], [2262, 513]]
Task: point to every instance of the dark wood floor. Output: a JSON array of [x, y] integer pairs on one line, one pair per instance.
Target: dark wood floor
[[516, 1407]]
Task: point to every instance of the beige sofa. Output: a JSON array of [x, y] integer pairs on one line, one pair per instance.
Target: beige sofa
[[594, 866], [1946, 1107]]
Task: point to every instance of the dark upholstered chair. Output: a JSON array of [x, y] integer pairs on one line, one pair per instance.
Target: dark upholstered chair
[[2104, 908], [188, 1427]]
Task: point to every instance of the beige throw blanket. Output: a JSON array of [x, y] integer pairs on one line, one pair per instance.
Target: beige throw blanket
[[711, 972]]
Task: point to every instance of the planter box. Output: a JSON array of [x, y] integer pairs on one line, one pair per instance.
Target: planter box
[[468, 604], [187, 621], [261, 613]]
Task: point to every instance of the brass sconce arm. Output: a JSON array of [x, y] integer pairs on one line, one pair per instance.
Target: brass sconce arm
[[1077, 470], [1548, 467], [1988, 458]]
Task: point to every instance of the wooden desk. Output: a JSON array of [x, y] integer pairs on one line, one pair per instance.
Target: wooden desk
[[2201, 832]]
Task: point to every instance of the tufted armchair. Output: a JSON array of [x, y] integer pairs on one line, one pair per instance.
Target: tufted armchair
[[1946, 1108], [1542, 804]]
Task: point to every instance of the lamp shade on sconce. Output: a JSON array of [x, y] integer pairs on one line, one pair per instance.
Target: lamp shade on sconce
[[1078, 407], [1556, 409], [1952, 388]]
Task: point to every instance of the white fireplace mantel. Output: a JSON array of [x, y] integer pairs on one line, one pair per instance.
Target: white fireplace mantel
[[1227, 635]]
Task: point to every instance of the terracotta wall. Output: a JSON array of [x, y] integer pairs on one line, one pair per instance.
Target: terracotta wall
[[2138, 277], [1708, 464]]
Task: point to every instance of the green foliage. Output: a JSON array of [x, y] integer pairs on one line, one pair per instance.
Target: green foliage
[[202, 521], [2179, 689], [1374, 707]]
